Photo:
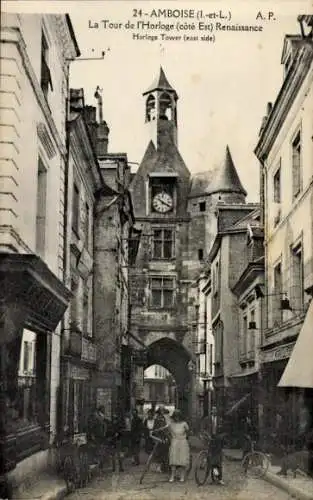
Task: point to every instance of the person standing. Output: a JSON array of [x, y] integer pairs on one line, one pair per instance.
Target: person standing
[[148, 426], [216, 445], [114, 436], [97, 426], [135, 436], [160, 426], [179, 452]]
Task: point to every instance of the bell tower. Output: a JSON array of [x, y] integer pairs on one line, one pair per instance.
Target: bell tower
[[161, 111]]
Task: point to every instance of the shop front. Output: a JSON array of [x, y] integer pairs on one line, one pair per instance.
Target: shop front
[[297, 378], [33, 301], [281, 407], [243, 405]]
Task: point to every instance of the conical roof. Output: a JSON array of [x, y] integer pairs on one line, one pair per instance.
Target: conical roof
[[161, 83], [227, 179]]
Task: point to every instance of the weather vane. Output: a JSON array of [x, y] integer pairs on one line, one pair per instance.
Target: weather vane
[[162, 51]]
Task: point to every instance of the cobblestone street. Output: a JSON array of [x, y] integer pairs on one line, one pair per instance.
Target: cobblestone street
[[156, 487]]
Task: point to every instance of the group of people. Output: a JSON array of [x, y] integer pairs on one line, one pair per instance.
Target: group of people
[[172, 454], [116, 435]]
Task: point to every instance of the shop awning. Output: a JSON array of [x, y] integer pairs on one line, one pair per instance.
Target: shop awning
[[238, 404], [31, 295], [299, 369], [246, 373]]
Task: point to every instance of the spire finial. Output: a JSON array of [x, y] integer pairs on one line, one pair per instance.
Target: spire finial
[[162, 53], [98, 96]]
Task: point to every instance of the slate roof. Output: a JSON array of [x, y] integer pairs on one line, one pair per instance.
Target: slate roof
[[227, 179], [160, 83], [223, 178], [201, 181]]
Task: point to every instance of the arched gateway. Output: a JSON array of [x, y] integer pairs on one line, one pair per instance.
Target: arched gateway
[[176, 359]]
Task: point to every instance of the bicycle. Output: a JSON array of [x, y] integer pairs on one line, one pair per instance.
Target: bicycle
[[152, 455], [203, 465], [255, 463]]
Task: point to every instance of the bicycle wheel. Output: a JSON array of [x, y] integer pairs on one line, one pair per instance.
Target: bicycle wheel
[[146, 467], [202, 468], [255, 464], [189, 466]]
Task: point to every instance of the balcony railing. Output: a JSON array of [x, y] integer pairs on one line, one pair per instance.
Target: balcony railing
[[81, 347]]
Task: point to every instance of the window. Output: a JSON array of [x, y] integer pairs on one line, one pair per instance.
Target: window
[[244, 334], [45, 76], [41, 209], [277, 186], [27, 357], [162, 292], [86, 310], [252, 326], [211, 359], [202, 206], [297, 292], [277, 295], [75, 209], [163, 243], [87, 225], [296, 166], [215, 278], [218, 337], [200, 254], [73, 312]]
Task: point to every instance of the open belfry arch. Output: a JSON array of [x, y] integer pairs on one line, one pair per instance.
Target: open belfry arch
[[166, 200]]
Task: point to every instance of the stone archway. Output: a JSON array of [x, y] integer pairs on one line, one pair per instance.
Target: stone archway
[[175, 358]]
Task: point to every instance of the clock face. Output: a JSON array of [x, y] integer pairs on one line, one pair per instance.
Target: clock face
[[162, 202]]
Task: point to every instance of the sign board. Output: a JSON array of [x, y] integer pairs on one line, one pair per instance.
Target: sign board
[[281, 352], [104, 398], [78, 372]]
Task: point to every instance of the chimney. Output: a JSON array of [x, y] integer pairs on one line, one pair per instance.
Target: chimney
[[90, 114], [77, 100], [91, 121], [102, 139], [103, 130]]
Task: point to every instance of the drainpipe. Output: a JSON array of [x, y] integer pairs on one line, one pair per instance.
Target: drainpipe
[[65, 257]]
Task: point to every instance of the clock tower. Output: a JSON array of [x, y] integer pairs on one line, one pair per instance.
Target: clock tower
[[161, 111]]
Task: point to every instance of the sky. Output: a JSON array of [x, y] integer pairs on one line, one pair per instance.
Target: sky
[[223, 86]]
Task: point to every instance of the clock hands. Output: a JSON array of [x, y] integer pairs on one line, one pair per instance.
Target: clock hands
[[166, 204]]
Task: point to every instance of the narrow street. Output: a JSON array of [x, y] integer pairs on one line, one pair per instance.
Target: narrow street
[[156, 487]]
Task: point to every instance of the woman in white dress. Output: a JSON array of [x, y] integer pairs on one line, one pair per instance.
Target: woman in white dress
[[179, 453]]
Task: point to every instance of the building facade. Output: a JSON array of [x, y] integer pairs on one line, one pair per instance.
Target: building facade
[[114, 221], [285, 151], [235, 346], [160, 275], [159, 387], [36, 51], [79, 350], [176, 215], [204, 344]]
